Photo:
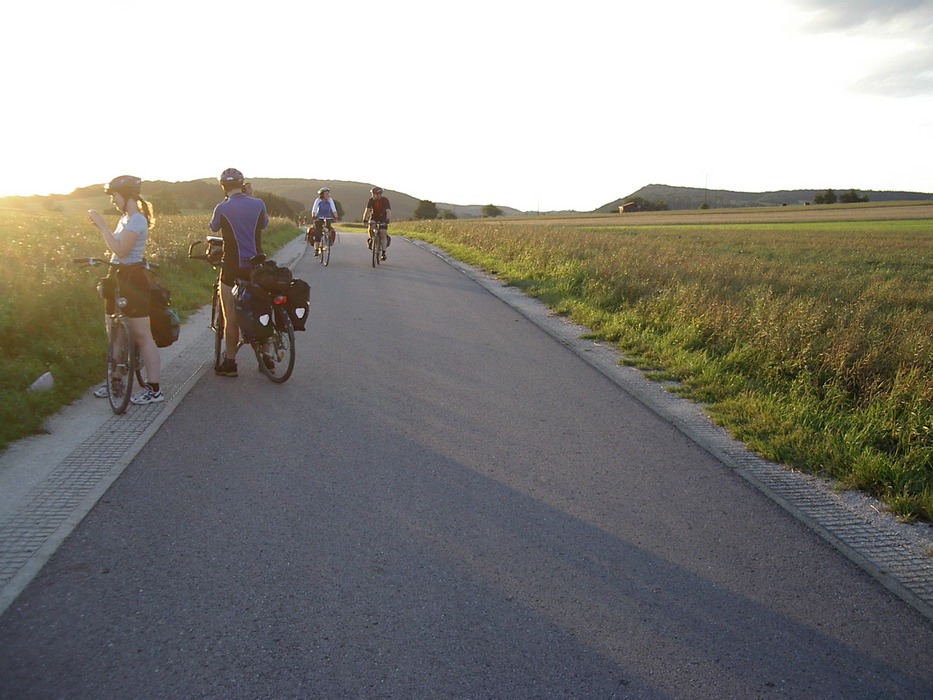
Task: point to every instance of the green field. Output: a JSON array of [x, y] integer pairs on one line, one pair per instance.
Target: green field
[[811, 341], [50, 316]]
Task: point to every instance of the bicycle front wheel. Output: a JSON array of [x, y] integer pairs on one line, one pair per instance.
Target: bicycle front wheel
[[120, 366], [276, 355], [217, 325], [325, 248], [376, 249]]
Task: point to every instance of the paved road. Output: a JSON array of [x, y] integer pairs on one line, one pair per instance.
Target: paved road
[[444, 502]]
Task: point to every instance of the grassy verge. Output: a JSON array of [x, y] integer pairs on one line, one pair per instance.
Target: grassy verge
[[811, 342], [51, 318]]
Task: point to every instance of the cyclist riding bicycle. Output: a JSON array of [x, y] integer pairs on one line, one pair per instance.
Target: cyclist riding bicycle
[[127, 243], [323, 208], [240, 219], [378, 210]]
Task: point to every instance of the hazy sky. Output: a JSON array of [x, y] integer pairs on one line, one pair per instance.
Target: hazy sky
[[529, 104]]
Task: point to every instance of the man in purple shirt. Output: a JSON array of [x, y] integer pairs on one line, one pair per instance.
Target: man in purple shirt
[[240, 219]]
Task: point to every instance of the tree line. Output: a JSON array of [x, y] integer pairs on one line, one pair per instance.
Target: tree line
[[829, 197], [427, 209]]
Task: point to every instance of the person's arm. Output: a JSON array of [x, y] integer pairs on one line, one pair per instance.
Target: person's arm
[[314, 208], [264, 219], [119, 246], [258, 238], [215, 220]]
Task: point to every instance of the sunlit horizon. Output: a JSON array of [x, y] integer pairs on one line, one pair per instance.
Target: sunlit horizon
[[66, 192]]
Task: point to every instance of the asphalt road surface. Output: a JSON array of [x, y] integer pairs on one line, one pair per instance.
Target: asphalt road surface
[[443, 502]]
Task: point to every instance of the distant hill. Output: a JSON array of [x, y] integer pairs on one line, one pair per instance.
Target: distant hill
[[196, 196], [694, 197], [202, 195], [352, 196]]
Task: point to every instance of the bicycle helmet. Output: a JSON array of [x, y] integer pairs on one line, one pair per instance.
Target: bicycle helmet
[[126, 185], [231, 178], [323, 190], [376, 190]]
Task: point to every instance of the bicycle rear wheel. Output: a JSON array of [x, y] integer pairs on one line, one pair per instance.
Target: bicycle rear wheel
[[276, 355], [120, 366]]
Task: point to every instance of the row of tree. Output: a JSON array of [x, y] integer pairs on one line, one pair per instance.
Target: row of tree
[[642, 204], [829, 197], [428, 210]]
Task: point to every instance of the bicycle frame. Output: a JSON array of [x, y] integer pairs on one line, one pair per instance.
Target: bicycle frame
[[377, 230], [327, 234], [124, 361]]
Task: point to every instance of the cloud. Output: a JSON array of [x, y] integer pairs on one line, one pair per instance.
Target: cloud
[[906, 25], [847, 15], [907, 75]]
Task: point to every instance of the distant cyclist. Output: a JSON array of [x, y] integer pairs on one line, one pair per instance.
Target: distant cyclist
[[127, 243], [323, 208], [378, 210], [240, 219]]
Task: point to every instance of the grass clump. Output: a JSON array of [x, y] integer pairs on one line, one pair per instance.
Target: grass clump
[[812, 342]]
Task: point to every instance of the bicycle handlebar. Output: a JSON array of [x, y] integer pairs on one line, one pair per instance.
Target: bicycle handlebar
[[101, 261]]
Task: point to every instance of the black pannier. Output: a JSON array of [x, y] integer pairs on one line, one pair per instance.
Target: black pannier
[[270, 276], [253, 313], [163, 319], [299, 303]]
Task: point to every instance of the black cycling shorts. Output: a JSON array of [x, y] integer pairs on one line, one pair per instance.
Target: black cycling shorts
[[230, 274]]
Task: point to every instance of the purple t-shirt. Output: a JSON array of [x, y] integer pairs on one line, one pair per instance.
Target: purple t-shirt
[[240, 219]]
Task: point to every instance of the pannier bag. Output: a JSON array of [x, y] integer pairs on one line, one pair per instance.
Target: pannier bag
[[270, 276], [253, 313], [215, 249], [163, 319], [299, 303]]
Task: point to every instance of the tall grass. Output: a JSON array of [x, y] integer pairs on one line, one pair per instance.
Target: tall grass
[[811, 342], [51, 318]]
